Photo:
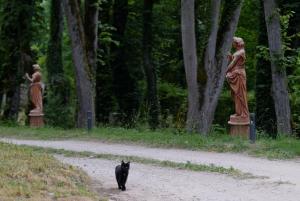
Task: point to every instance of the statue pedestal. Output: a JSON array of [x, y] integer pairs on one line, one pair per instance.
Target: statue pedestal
[[239, 126], [238, 129], [36, 120]]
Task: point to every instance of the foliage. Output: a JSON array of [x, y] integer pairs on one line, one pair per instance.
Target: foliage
[[294, 80], [105, 38], [289, 62], [173, 101], [58, 97], [265, 109], [18, 20], [57, 113], [120, 79], [248, 29]]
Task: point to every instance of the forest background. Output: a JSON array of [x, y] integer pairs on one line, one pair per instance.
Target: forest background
[[136, 68]]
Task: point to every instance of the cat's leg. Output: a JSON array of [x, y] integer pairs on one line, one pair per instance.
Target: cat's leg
[[124, 179], [118, 181]]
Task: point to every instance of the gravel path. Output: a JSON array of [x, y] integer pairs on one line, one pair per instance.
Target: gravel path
[[149, 183], [155, 183]]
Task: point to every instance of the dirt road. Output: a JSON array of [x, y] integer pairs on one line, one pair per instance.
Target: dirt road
[[148, 182]]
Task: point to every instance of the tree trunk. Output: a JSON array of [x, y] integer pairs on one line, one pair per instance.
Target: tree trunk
[[216, 68], [1, 102], [190, 62], [55, 69], [152, 99], [208, 93], [19, 52], [54, 62], [104, 97], [203, 98], [58, 95], [279, 79], [91, 31], [83, 69], [265, 111], [124, 85], [15, 104]]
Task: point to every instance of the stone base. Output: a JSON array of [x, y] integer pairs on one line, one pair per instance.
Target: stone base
[[36, 120], [239, 130]]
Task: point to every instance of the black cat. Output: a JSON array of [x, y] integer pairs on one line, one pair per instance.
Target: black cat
[[122, 174]]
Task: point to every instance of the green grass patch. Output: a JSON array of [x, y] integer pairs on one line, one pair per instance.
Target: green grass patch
[[281, 148], [29, 175]]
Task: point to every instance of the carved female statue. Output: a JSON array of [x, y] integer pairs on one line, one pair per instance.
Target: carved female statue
[[36, 89], [236, 77]]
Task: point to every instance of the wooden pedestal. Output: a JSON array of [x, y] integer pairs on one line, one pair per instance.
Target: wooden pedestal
[[36, 120], [239, 130]]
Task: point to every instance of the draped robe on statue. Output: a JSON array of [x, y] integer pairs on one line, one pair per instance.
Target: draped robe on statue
[[236, 78], [36, 93]]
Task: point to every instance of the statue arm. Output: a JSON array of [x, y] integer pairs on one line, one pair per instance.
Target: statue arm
[[232, 63], [28, 77], [230, 57]]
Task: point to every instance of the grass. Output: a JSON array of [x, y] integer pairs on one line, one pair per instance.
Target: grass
[[281, 148], [170, 164], [34, 176]]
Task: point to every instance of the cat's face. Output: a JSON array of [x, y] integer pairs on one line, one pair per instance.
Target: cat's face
[[125, 166]]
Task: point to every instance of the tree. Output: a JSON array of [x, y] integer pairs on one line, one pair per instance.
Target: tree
[[190, 60], [279, 79], [205, 82], [84, 44], [124, 85], [265, 111], [58, 95], [104, 97], [17, 57], [91, 14], [152, 98]]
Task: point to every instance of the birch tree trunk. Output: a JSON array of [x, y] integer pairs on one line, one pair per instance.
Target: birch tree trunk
[[83, 69], [279, 79], [152, 99]]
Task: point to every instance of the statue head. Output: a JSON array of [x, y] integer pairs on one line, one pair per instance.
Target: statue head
[[238, 43], [36, 67]]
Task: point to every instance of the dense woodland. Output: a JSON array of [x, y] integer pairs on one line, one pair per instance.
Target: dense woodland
[[156, 63]]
